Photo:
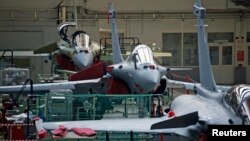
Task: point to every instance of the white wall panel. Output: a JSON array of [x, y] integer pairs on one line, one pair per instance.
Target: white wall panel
[[20, 40], [149, 5], [29, 3], [221, 25], [39, 33], [123, 5]]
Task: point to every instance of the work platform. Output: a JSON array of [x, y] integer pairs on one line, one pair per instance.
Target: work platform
[[69, 107], [65, 106]]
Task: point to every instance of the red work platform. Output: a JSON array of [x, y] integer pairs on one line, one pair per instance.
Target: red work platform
[[95, 71]]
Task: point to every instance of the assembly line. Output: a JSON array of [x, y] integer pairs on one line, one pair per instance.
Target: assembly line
[[211, 110], [99, 100]]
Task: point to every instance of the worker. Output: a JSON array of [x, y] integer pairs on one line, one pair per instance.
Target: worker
[[3, 120], [153, 109]]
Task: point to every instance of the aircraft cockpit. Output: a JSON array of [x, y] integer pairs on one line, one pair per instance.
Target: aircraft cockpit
[[63, 29], [238, 98], [143, 54], [81, 39]]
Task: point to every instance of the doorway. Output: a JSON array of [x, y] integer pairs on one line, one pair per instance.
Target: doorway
[[221, 56]]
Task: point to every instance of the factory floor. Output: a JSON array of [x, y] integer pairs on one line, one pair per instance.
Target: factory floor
[[132, 107]]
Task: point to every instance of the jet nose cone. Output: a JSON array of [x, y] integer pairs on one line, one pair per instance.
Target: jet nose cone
[[83, 60], [149, 81], [152, 78]]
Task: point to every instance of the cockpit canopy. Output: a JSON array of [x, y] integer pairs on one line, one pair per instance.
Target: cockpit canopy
[[81, 39], [238, 98], [143, 54], [63, 29]]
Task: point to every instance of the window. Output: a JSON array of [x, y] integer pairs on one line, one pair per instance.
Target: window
[[248, 55], [214, 55], [190, 49], [186, 44], [248, 36], [227, 55], [215, 37], [248, 41], [221, 48], [172, 44]]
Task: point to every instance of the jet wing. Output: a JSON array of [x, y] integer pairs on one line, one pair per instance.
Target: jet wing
[[142, 125], [156, 54], [191, 86], [46, 87], [46, 49], [66, 71], [223, 88], [180, 84]]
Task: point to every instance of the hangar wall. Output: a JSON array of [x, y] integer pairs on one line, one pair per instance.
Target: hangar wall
[[149, 30]]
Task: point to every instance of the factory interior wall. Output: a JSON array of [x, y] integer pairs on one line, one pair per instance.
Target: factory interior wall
[[36, 34]]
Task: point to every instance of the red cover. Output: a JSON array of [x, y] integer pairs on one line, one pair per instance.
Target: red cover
[[42, 134], [62, 127], [171, 114], [57, 132], [95, 71], [116, 86], [84, 131], [65, 63]]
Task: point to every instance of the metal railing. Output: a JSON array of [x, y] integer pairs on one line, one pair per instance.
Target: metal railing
[[68, 107]]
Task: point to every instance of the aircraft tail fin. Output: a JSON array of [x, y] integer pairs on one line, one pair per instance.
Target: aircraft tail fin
[[116, 49], [206, 72]]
